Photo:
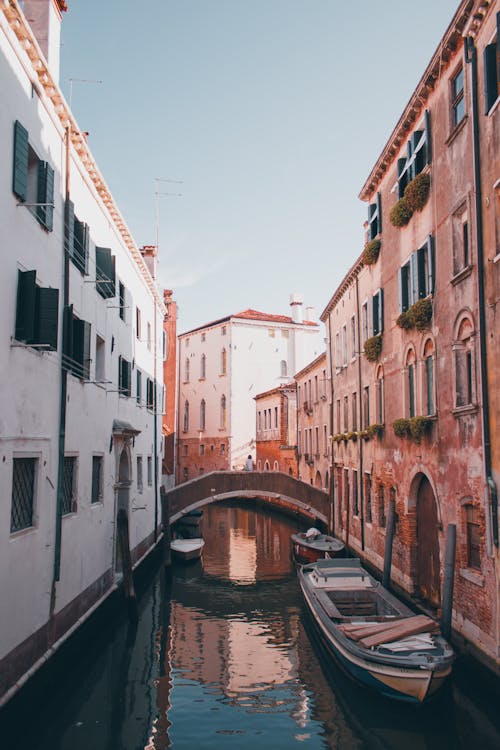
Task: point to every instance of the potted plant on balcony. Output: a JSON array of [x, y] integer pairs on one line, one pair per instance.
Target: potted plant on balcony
[[400, 213], [417, 192], [371, 252], [373, 347]]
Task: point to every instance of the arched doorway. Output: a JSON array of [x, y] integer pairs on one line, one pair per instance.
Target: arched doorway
[[428, 564], [122, 500], [317, 480]]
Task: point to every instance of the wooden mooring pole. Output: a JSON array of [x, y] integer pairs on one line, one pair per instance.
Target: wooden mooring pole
[[449, 579], [128, 577], [165, 517], [389, 538]]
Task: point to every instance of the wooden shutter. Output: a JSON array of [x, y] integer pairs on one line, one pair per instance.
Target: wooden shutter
[[431, 270], [105, 272], [26, 305], [490, 76], [86, 239], [69, 227], [47, 308], [20, 165], [403, 288], [421, 255], [413, 278], [81, 348], [428, 137], [375, 314], [379, 212], [78, 250], [45, 195], [381, 310], [68, 338]]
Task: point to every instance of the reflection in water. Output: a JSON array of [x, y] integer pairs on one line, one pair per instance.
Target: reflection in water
[[224, 656]]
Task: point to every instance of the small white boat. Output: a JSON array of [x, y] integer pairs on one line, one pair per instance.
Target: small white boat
[[187, 549], [372, 634], [311, 545]]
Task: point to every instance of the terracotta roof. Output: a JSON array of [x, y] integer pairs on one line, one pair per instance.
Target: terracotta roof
[[291, 386], [252, 315]]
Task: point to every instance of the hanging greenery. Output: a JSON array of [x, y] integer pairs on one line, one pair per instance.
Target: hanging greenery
[[352, 436], [371, 252], [401, 427], [375, 429], [417, 192], [373, 347], [421, 314], [400, 213], [414, 427]]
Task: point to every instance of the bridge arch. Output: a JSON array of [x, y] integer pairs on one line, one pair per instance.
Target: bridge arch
[[280, 490]]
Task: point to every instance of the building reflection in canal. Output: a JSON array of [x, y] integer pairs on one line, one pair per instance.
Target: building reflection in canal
[[223, 656]]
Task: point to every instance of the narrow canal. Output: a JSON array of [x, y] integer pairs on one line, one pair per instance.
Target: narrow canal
[[223, 657]]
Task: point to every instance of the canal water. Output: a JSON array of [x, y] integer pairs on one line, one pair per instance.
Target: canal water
[[224, 656]]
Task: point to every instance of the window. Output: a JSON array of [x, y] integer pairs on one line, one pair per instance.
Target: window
[[491, 69], [276, 466], [149, 336], [105, 272], [222, 449], [338, 360], [138, 386], [379, 417], [378, 312], [339, 427], [346, 413], [418, 155], [323, 385], [203, 367], [185, 450], [347, 499], [429, 378], [223, 362], [410, 369], [137, 323], [375, 218], [353, 336], [97, 464], [202, 449], [121, 300], [366, 407], [473, 537], [36, 312], [139, 478], [382, 519], [355, 502], [460, 239], [186, 416], [457, 98], [150, 394], [364, 322], [203, 337], [77, 239], [202, 414], [368, 498], [325, 440], [76, 352], [32, 179], [124, 377], [354, 410], [23, 493], [68, 500], [416, 277], [223, 413], [150, 471], [223, 331], [275, 417], [283, 368], [464, 365], [100, 361], [186, 370]]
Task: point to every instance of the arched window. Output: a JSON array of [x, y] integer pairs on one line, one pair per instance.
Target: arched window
[[410, 384], [259, 465], [202, 414], [379, 397], [463, 346], [276, 466], [284, 368], [472, 529], [203, 367], [266, 466], [223, 362], [186, 416], [186, 370], [223, 412], [429, 380]]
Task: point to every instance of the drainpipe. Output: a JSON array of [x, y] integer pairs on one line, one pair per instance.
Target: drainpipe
[[332, 468], [360, 441], [491, 489], [64, 386]]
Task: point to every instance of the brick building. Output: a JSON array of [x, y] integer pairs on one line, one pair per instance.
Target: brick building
[[276, 430], [313, 423], [412, 338]]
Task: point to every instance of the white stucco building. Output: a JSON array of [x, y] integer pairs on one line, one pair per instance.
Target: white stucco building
[[81, 360], [223, 366]]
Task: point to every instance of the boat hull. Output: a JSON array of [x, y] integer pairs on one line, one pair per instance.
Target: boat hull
[[186, 549], [309, 552]]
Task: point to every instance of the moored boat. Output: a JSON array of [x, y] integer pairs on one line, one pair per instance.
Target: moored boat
[[373, 635], [311, 545], [187, 549]]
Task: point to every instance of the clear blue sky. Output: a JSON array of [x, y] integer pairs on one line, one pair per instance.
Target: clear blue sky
[[272, 112]]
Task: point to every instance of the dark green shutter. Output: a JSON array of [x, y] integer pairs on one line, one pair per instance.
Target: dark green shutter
[[81, 348], [490, 76], [68, 337], [403, 288], [381, 310], [379, 212], [47, 317], [69, 227], [86, 349], [26, 305], [375, 315], [414, 289], [105, 270], [431, 271], [78, 250], [21, 159], [138, 394], [428, 137], [45, 195], [85, 238]]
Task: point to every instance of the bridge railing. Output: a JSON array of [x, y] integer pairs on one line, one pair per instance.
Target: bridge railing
[[262, 483]]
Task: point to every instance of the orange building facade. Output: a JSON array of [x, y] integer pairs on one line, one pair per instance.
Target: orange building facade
[[276, 430], [313, 423]]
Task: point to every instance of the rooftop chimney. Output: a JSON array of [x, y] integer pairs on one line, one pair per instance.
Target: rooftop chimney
[[149, 253], [310, 313], [44, 17], [296, 301]]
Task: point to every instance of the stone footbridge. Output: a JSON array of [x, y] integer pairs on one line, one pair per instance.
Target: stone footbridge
[[280, 491]]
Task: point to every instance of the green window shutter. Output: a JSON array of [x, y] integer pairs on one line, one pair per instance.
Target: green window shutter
[[86, 239], [413, 278], [403, 288], [81, 348], [105, 270], [421, 255], [138, 387], [86, 349], [21, 158], [46, 316], [381, 310], [78, 251], [68, 337], [26, 305], [379, 212], [431, 269], [428, 138], [45, 195], [490, 76], [375, 315], [69, 227]]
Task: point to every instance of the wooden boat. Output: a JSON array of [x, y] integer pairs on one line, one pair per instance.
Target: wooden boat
[[373, 635], [187, 549], [309, 546]]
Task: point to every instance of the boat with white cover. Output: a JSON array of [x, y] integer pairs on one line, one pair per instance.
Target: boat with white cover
[[187, 549]]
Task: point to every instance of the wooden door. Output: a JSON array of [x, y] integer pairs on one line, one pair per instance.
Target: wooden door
[[428, 565]]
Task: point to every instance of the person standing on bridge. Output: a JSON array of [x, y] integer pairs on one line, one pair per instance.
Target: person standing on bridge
[[249, 464]]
